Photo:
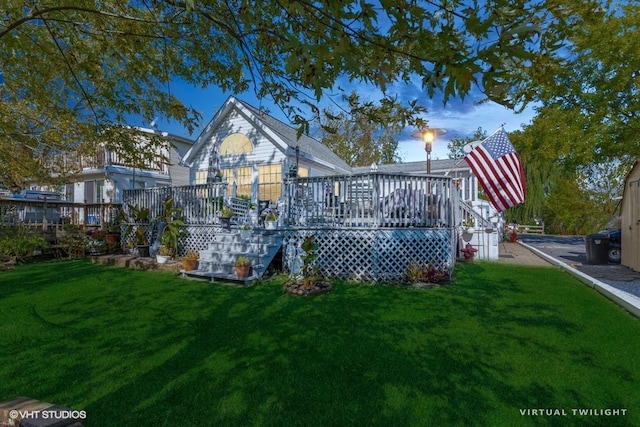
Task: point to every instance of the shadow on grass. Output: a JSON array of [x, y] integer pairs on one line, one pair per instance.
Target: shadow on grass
[[147, 349]]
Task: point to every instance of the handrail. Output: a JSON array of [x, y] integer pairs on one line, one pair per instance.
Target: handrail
[[55, 213]]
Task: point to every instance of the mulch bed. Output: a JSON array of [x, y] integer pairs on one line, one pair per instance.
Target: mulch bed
[[298, 288]]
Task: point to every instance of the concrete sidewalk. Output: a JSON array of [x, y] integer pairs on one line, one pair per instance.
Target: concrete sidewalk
[[515, 253]]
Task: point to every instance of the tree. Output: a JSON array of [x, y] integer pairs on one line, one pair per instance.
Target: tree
[[456, 145], [364, 133], [553, 154], [592, 94], [71, 70]]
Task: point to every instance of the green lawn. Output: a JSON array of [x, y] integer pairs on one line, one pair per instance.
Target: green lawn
[[144, 348]]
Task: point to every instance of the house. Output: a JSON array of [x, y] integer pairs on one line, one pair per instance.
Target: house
[[370, 223], [255, 152], [630, 219], [104, 176]]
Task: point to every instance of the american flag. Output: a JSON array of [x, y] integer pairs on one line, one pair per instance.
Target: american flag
[[499, 170]]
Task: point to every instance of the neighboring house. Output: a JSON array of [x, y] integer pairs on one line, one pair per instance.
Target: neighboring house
[[103, 177], [630, 219]]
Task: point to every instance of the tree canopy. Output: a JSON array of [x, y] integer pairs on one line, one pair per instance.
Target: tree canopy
[[364, 133], [456, 145], [70, 70], [73, 74], [586, 130]]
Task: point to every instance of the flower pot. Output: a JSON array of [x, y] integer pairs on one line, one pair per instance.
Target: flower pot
[[162, 259], [112, 238], [467, 236], [143, 250], [270, 225], [189, 264], [225, 221], [242, 271]]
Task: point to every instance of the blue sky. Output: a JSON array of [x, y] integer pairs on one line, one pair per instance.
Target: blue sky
[[459, 117]]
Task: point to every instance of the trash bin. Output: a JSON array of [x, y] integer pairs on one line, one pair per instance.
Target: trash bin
[[597, 248]]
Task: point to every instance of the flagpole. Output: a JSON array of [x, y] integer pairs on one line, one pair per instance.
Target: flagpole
[[454, 166]]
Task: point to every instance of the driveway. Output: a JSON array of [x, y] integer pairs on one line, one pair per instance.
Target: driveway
[[572, 251]]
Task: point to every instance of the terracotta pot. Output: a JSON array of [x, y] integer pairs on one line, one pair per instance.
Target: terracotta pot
[[112, 238], [189, 264], [242, 271]]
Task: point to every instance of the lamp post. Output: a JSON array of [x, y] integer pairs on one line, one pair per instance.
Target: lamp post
[[428, 136]]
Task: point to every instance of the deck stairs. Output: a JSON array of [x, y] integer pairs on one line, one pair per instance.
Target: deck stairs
[[217, 261]]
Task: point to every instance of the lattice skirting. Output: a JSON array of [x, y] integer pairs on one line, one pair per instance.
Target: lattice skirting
[[195, 237], [377, 255]]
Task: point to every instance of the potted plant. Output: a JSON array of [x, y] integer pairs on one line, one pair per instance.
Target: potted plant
[[468, 229], [190, 260], [142, 244], [271, 219], [97, 245], [113, 234], [164, 253], [173, 228], [243, 266], [245, 231], [225, 217], [469, 225], [141, 220], [113, 228]]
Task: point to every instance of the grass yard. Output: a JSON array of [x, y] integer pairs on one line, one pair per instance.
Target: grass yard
[[138, 348]]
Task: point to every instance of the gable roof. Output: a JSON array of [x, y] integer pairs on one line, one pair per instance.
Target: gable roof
[[282, 134], [310, 148]]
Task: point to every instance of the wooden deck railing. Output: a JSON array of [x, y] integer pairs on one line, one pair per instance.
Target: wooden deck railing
[[199, 204], [55, 214], [370, 200], [362, 200]]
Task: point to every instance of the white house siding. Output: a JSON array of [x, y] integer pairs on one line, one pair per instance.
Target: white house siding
[[264, 149], [179, 174]]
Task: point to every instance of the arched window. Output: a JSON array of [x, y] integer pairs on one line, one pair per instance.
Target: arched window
[[236, 143]]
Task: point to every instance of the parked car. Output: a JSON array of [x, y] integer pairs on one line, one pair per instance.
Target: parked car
[[613, 230]]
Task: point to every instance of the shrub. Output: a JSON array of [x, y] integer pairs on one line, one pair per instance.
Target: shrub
[[20, 242], [426, 273]]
